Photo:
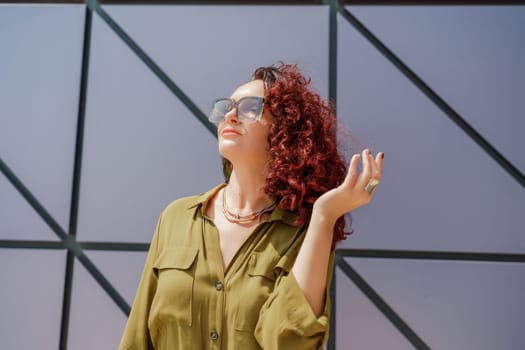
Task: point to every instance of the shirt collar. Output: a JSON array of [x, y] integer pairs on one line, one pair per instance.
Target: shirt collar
[[277, 214], [204, 197]]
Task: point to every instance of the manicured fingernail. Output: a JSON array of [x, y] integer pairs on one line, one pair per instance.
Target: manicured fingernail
[[382, 155]]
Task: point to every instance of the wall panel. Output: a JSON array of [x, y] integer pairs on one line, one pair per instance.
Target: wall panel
[[359, 324], [440, 190], [40, 60], [472, 56], [210, 50], [143, 148], [31, 294], [17, 219], [453, 305], [95, 322]]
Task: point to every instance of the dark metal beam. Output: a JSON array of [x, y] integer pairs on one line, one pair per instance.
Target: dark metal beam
[[279, 2], [30, 244], [213, 2], [432, 3], [59, 245], [332, 94], [77, 171], [354, 253], [332, 51], [115, 246], [431, 255]]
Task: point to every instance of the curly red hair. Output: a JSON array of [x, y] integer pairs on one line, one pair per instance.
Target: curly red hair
[[304, 158]]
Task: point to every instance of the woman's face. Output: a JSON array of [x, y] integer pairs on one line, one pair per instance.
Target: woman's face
[[244, 140]]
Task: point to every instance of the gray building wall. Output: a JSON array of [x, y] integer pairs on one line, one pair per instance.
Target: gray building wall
[[143, 148]]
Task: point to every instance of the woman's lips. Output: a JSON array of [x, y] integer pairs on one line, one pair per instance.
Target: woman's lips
[[230, 131]]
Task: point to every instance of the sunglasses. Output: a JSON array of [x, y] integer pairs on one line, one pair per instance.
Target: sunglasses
[[249, 109]]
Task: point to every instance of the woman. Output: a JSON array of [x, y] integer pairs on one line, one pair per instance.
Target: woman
[[248, 264]]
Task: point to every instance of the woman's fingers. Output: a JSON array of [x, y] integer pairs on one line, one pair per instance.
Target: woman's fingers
[[366, 171], [372, 172], [376, 165], [353, 192], [379, 163], [371, 169], [351, 177]]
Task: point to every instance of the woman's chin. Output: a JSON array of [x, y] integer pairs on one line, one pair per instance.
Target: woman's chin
[[228, 149]]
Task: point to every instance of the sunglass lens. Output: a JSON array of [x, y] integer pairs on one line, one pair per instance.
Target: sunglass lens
[[220, 108], [249, 108]]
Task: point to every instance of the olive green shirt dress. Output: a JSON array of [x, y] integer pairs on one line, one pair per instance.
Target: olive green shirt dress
[[186, 300]]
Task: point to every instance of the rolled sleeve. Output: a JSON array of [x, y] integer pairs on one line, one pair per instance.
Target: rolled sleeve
[[287, 320]]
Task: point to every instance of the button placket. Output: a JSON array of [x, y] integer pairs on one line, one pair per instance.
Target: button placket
[[218, 286]]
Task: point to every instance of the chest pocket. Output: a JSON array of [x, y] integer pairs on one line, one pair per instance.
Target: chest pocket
[[173, 301], [262, 271]]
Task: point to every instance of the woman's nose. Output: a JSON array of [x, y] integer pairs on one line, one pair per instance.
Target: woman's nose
[[231, 116]]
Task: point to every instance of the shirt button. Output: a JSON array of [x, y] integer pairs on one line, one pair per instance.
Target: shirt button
[[214, 335], [218, 285]]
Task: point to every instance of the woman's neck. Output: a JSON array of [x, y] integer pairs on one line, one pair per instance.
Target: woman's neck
[[244, 192]]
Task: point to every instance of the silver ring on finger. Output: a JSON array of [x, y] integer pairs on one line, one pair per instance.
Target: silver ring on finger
[[372, 183]]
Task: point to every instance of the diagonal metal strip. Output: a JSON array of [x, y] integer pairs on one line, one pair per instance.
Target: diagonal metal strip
[[95, 6], [434, 97], [69, 241], [385, 309]]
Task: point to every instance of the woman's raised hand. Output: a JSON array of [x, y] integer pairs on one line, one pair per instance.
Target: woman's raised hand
[[356, 190]]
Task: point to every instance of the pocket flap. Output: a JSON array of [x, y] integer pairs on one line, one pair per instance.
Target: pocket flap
[[285, 263], [180, 258], [263, 264]]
